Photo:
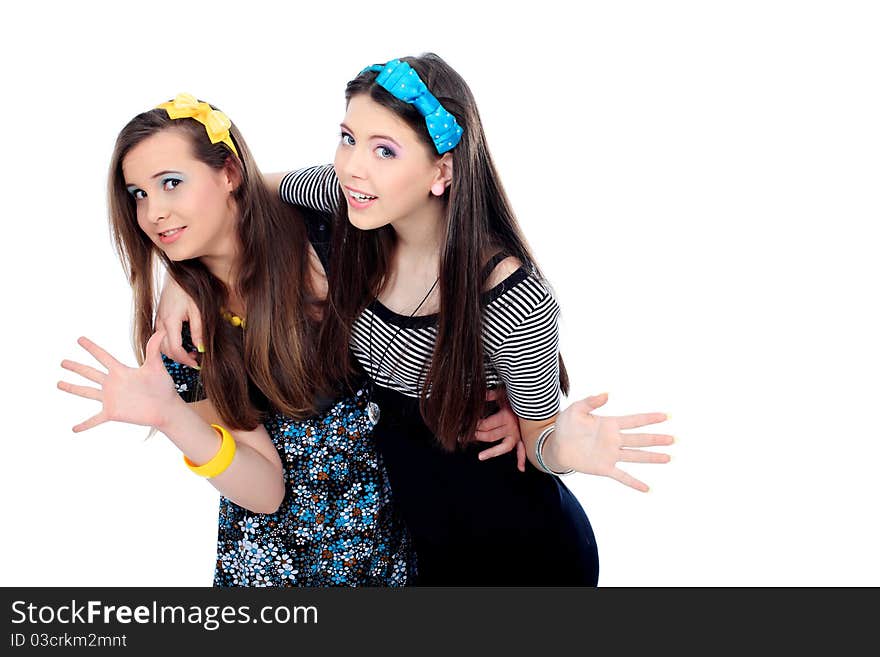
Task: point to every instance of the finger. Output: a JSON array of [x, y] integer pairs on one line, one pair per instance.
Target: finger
[[646, 439], [84, 371], [167, 345], [93, 421], [81, 391], [501, 448], [639, 456], [499, 419], [521, 456], [196, 331], [186, 358], [172, 343], [593, 402], [628, 480], [639, 420], [152, 352], [598, 400], [493, 435], [177, 352], [100, 355]]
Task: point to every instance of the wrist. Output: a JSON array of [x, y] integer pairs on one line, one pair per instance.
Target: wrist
[[547, 453], [174, 417]]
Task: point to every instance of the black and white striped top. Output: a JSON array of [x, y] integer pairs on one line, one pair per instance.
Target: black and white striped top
[[520, 332]]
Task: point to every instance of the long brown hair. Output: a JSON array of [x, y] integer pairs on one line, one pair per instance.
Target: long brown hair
[[273, 359], [480, 222]]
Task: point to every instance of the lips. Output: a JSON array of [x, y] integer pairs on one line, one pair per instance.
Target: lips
[[171, 235], [359, 199]]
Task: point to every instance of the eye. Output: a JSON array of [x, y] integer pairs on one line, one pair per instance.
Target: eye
[[170, 183], [347, 139], [137, 194], [385, 153]]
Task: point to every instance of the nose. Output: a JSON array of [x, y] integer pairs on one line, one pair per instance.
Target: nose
[[155, 210], [350, 162]]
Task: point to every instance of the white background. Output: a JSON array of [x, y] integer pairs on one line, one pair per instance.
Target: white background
[[699, 180]]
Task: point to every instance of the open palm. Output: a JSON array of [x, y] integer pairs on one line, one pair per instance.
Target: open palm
[[137, 395], [594, 444]]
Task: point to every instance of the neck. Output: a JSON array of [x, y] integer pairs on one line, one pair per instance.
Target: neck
[[226, 267], [420, 236]]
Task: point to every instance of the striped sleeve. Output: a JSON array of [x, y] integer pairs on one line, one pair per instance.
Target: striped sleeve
[[527, 355], [315, 187]]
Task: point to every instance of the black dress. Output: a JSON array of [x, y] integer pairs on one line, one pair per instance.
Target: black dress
[[478, 522], [481, 522]]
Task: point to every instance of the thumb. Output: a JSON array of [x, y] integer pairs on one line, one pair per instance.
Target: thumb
[[595, 401], [152, 351]]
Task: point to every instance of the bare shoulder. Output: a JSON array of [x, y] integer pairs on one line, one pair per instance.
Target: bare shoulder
[[502, 271]]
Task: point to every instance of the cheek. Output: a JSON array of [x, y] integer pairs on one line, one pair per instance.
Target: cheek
[[340, 159], [411, 189], [204, 200], [141, 218]]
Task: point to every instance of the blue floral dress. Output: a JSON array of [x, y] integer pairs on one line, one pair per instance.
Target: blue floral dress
[[336, 526]]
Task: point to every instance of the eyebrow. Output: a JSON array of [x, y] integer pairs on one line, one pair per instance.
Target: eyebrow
[[156, 175], [386, 137]]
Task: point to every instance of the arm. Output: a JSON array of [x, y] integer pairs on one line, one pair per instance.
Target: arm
[[527, 361], [148, 396], [315, 187], [254, 480]]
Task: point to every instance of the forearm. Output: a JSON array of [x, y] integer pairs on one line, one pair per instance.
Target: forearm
[[252, 481], [530, 431]]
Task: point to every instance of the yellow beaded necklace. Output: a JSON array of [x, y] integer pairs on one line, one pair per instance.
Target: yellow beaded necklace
[[233, 319]]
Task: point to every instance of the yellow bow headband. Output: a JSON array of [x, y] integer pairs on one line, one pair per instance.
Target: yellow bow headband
[[216, 122]]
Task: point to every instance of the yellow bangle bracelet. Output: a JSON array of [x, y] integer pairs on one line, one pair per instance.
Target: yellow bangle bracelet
[[221, 459]]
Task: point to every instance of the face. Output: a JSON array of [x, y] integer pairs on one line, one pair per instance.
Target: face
[[385, 169], [183, 205]]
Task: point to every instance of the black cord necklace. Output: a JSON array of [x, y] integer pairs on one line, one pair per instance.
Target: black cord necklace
[[373, 410]]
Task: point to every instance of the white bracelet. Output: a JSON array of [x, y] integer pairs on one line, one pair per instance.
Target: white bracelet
[[539, 452]]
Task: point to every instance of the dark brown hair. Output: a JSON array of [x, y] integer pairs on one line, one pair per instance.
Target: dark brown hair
[[480, 222], [273, 359]]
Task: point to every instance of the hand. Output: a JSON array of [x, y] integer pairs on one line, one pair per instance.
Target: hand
[[503, 424], [138, 395], [594, 444], [176, 307]]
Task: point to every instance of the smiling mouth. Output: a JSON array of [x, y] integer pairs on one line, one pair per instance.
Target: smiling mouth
[[173, 231], [363, 198]]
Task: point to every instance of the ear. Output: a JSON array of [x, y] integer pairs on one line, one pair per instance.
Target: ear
[[232, 174], [443, 175]]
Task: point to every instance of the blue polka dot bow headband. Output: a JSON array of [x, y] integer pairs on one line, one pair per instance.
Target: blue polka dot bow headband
[[401, 81]]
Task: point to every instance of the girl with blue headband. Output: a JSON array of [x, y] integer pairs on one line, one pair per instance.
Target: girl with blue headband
[[437, 297]]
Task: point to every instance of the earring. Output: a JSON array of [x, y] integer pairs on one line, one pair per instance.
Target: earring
[[438, 188]]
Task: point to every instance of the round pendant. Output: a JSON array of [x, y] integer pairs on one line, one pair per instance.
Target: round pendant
[[373, 412]]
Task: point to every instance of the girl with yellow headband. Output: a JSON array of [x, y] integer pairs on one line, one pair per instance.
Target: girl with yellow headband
[[437, 296], [305, 498]]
